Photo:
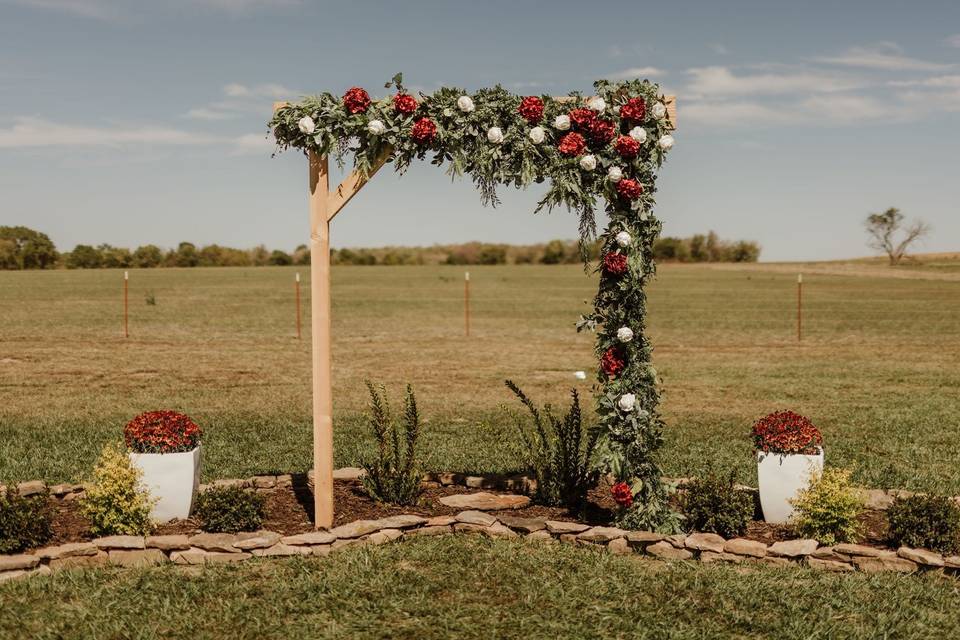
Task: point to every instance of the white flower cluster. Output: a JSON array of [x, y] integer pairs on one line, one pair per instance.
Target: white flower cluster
[[624, 334], [495, 135], [627, 402], [537, 135], [588, 162], [307, 125], [465, 104], [562, 122], [376, 127]]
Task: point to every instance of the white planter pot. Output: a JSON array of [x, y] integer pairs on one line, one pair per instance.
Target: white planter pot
[[172, 479], [780, 478]]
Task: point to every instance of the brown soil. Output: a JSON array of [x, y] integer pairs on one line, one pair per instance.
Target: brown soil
[[290, 510]]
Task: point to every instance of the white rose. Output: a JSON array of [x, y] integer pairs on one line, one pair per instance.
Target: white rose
[[614, 174], [627, 402], [623, 239], [376, 127], [624, 334], [588, 162], [562, 122], [465, 104], [639, 134], [666, 142], [495, 135], [307, 125], [537, 135], [596, 103], [659, 110]]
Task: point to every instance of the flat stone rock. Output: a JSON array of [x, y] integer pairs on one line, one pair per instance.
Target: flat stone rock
[[222, 542], [705, 542], [721, 556], [466, 527], [264, 482], [349, 473], [524, 525], [168, 543], [120, 542], [137, 557], [678, 540], [19, 561], [352, 542], [68, 550], [557, 527], [828, 553], [31, 487], [197, 555], [744, 547], [476, 517], [601, 534], [440, 521], [793, 548], [875, 498], [541, 536], [436, 530], [921, 556], [859, 550], [619, 547], [643, 538], [263, 540], [98, 559], [666, 551], [485, 501], [822, 564], [240, 483], [281, 549], [869, 564], [311, 537], [498, 530], [60, 490], [322, 550], [952, 562], [384, 536], [779, 562]]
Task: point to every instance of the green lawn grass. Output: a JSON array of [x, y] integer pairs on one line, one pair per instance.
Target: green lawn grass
[[877, 369], [467, 587]]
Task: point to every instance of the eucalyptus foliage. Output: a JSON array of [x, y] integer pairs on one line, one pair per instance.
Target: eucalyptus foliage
[[629, 439]]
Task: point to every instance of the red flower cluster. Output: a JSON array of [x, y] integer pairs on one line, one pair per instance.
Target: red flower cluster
[[572, 144], [161, 432], [601, 131], [629, 189], [405, 103], [356, 100], [581, 118], [615, 263], [635, 109], [531, 108], [786, 432], [627, 147], [622, 494], [613, 361], [423, 131]]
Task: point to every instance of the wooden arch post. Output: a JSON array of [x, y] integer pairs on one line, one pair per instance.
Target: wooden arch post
[[324, 206]]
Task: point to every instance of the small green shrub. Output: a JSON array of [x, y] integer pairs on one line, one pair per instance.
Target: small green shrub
[[925, 521], [828, 509], [557, 452], [712, 504], [117, 504], [394, 475], [25, 522], [229, 510]]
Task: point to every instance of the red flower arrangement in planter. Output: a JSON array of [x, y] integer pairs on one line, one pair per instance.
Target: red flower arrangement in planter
[[622, 494], [785, 433], [162, 432], [356, 100], [423, 131], [615, 263], [531, 108], [613, 361], [405, 103]]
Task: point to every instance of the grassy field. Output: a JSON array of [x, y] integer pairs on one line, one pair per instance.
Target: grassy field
[[877, 369], [473, 588]]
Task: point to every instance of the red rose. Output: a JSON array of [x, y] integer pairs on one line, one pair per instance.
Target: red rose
[[582, 117], [601, 131], [622, 494], [629, 189], [404, 103], [635, 109], [613, 362], [627, 147], [615, 263], [531, 108], [423, 131], [356, 100], [572, 144]]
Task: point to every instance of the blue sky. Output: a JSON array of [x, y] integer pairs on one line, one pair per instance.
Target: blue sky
[[132, 122]]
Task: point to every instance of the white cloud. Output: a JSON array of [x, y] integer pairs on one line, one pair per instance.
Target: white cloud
[[241, 99], [254, 144], [636, 72], [719, 49], [29, 132], [953, 41], [96, 9], [886, 56], [721, 81], [937, 82], [734, 114]]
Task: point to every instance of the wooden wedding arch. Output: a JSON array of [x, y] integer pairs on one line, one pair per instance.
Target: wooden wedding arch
[[324, 206]]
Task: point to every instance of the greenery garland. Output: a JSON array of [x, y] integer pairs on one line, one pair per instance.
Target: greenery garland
[[609, 145]]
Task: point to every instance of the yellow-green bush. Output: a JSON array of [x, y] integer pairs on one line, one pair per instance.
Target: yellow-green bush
[[117, 504], [828, 510]]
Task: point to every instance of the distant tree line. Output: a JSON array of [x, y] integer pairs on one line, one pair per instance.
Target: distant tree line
[[23, 248]]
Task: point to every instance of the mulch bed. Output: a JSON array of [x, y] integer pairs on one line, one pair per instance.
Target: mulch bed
[[289, 510]]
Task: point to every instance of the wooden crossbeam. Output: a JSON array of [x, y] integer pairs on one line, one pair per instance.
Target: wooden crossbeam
[[352, 184]]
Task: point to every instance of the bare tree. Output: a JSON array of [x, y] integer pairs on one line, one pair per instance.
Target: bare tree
[[884, 228]]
